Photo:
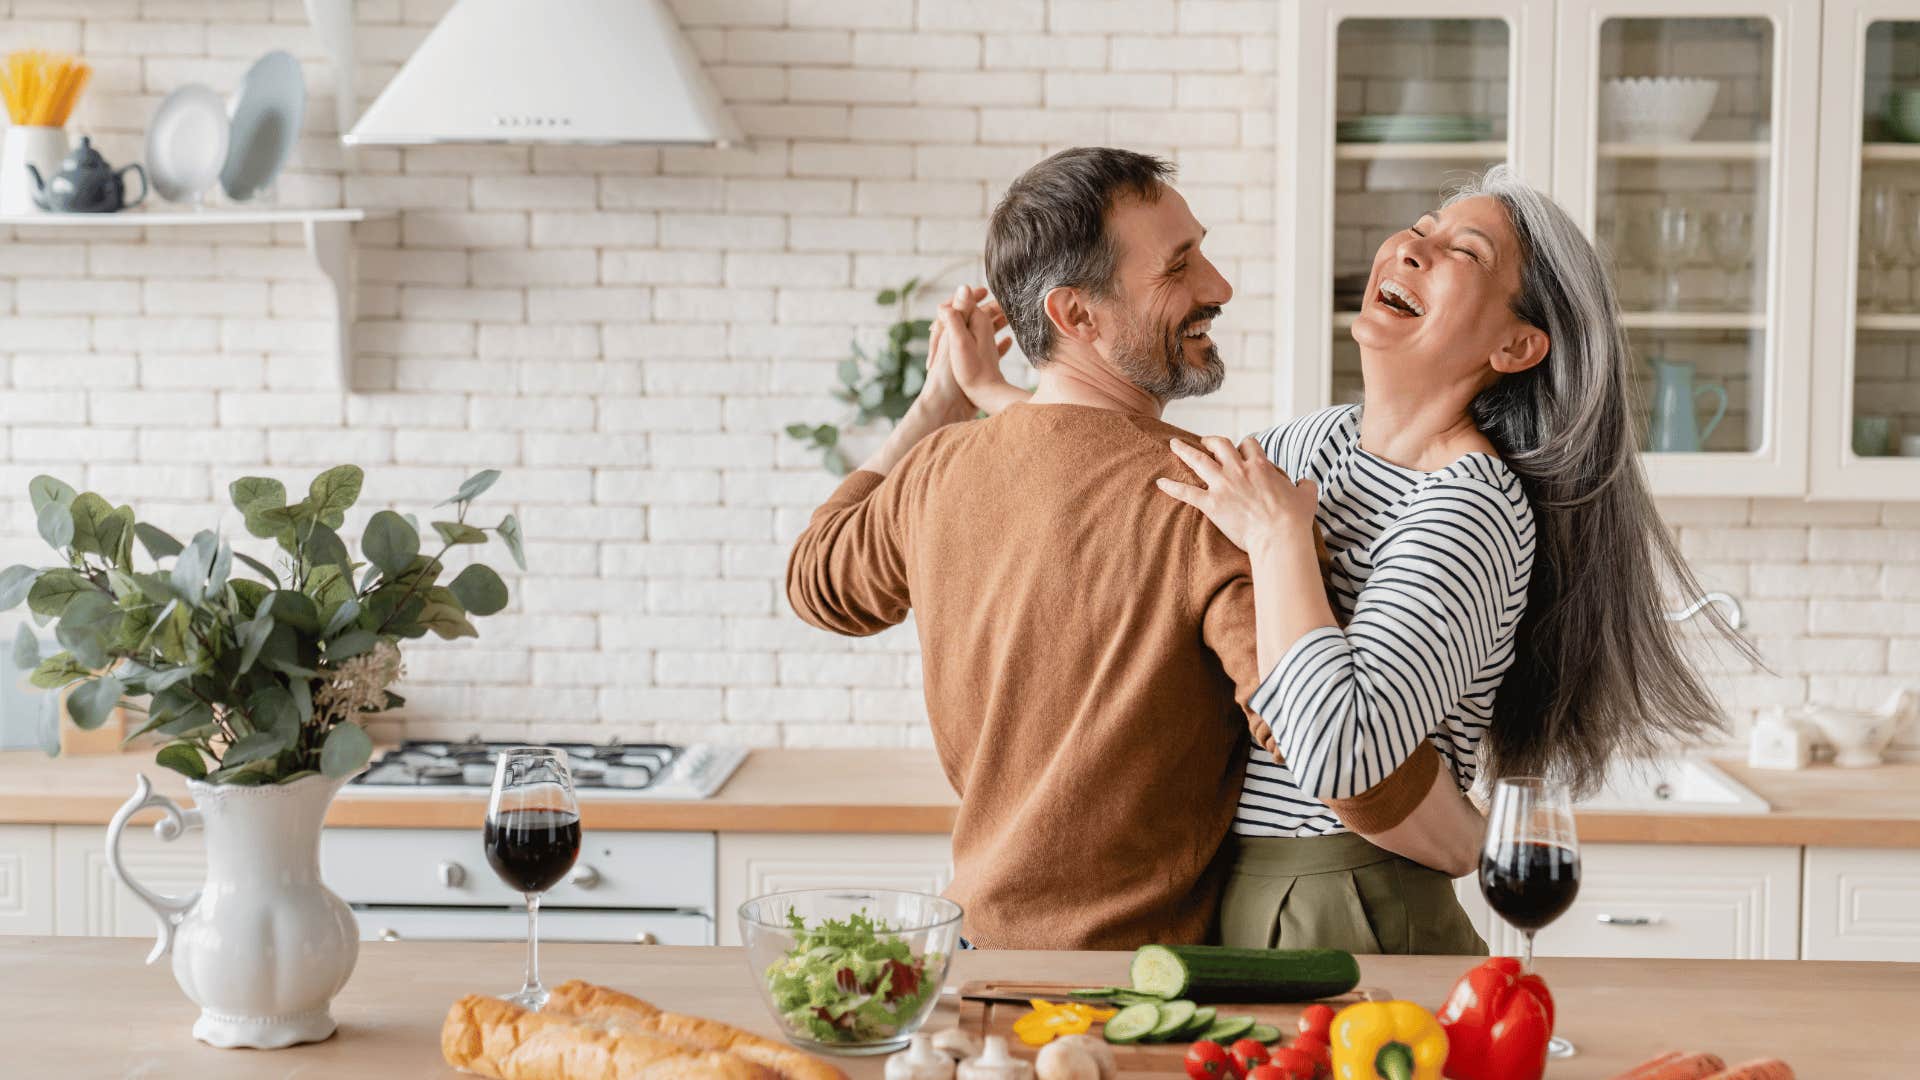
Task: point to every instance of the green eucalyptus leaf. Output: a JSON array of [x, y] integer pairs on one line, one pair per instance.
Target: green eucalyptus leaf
[[173, 632], [249, 492], [189, 576], [253, 637], [334, 492], [158, 543], [346, 750], [55, 522], [272, 522], [446, 620], [222, 568], [849, 372], [887, 297], [302, 692], [183, 759], [92, 702], [44, 490], [259, 567], [156, 587], [342, 617], [800, 431], [390, 543], [509, 531], [161, 681], [325, 548], [246, 774], [297, 776], [254, 747], [57, 671], [351, 644], [251, 595], [55, 589], [192, 717], [15, 581], [474, 486], [92, 516], [454, 532], [479, 590], [296, 609], [118, 534], [135, 624], [26, 648]]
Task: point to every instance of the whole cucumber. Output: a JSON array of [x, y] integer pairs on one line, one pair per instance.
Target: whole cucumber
[[1213, 973]]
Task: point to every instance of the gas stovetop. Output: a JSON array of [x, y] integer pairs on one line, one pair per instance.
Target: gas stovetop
[[611, 770]]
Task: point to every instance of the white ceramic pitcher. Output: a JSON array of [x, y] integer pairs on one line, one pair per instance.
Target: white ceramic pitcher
[[264, 945]]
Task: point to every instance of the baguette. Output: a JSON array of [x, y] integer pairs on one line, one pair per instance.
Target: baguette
[[489, 1037], [618, 1011], [1675, 1065]]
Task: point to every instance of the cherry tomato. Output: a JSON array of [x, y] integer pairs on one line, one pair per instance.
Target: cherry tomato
[[1289, 1063], [1248, 1055], [1316, 1048], [1317, 1021], [1209, 1061]]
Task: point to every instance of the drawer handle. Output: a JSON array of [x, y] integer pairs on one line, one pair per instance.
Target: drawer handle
[[389, 935], [645, 937], [1627, 920], [584, 878], [452, 874]]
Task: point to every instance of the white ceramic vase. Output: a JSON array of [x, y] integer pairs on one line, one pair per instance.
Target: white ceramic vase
[[263, 946], [22, 145]]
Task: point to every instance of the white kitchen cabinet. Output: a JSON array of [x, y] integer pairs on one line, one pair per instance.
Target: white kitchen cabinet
[[91, 901], [26, 879], [1866, 370], [752, 864], [1667, 901], [1861, 904]]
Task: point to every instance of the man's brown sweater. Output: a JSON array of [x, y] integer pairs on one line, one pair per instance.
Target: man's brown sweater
[[1088, 649]]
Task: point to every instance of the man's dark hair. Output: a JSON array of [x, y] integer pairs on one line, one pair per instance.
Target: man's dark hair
[[1050, 232]]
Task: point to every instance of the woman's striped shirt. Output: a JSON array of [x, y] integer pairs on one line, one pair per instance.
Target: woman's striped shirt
[[1430, 577]]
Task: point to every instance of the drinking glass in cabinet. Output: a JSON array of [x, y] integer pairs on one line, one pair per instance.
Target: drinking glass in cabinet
[[1883, 243], [1732, 240], [1677, 234]]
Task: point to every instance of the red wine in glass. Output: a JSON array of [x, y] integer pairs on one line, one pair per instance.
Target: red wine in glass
[[1530, 862], [531, 838]]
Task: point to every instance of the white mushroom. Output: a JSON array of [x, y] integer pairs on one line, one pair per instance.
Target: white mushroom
[[995, 1063], [1102, 1054], [920, 1061], [957, 1044], [1062, 1060]]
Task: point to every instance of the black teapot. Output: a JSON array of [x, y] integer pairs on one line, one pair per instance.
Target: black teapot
[[86, 184]]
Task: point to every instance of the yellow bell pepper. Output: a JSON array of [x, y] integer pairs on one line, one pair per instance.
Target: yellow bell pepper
[[1387, 1040], [1050, 1020]]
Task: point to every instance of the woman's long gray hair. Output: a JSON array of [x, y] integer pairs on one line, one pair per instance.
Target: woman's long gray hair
[[1598, 670]]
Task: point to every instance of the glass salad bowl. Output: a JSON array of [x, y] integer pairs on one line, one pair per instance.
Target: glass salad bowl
[[850, 971]]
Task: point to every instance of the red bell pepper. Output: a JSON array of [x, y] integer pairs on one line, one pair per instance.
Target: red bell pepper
[[1497, 1021]]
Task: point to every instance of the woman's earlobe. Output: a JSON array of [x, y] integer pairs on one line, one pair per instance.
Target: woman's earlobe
[[1523, 352]]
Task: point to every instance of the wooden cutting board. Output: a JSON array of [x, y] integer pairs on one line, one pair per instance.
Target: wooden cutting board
[[983, 1018]]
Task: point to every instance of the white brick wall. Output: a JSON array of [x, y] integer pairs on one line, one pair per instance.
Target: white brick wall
[[625, 330]]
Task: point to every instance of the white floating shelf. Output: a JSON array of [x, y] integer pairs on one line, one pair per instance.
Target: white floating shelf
[[1686, 151], [1888, 322], [1694, 320], [329, 234], [1420, 151], [1890, 151]]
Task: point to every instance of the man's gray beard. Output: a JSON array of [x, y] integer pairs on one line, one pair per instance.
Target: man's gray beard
[[1160, 370]]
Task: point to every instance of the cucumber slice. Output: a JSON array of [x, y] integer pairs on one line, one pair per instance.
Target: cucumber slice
[[1174, 1017], [1264, 1033], [1134, 997], [1202, 1020], [1097, 992], [1132, 1023], [1228, 1028]]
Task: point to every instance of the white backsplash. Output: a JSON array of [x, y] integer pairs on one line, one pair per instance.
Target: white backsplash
[[624, 331]]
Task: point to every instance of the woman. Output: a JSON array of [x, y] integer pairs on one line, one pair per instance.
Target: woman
[[1495, 572]]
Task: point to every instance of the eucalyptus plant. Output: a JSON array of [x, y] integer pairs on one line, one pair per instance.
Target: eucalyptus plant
[[878, 386], [250, 679]]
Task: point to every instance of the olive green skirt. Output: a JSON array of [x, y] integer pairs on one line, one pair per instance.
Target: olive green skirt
[[1340, 892]]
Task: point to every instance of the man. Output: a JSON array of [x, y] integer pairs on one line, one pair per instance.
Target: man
[[1088, 644]]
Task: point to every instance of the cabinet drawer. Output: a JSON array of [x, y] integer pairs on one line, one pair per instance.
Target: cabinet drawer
[[448, 866], [611, 927], [1862, 904], [93, 902], [753, 864], [1683, 902], [26, 879]]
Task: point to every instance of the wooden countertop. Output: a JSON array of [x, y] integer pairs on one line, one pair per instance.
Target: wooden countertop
[[904, 791], [84, 1008]]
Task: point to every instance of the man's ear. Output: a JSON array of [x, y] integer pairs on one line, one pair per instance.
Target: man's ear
[[1072, 318], [1523, 350]]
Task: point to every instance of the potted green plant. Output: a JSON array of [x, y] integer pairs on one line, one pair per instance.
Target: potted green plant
[[877, 385], [256, 677]]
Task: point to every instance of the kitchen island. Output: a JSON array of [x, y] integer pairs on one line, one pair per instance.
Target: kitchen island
[[84, 1008]]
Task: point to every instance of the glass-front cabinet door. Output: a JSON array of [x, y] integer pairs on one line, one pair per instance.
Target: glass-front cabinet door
[[1384, 105], [1685, 144], [1866, 401]]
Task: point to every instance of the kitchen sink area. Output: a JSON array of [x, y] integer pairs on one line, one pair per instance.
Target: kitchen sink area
[[1675, 785]]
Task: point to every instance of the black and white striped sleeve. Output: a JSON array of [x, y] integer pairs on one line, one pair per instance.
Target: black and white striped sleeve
[[1436, 616]]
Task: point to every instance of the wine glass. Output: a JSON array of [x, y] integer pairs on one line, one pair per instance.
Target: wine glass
[[1912, 218], [1675, 241], [532, 838], [1732, 242], [1880, 242], [1530, 863]]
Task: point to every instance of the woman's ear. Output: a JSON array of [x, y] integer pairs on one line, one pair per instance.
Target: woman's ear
[[1523, 350], [1070, 315]]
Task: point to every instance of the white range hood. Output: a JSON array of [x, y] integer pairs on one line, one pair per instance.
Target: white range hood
[[550, 71]]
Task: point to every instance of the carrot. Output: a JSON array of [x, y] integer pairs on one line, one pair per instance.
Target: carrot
[[1675, 1065], [1757, 1069]]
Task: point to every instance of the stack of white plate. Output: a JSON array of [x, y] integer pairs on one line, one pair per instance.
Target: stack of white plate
[[1414, 127], [197, 136]]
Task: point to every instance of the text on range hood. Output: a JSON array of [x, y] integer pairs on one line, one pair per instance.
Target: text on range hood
[[550, 71]]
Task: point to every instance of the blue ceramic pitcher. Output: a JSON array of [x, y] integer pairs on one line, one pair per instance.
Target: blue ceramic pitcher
[[1676, 430]]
